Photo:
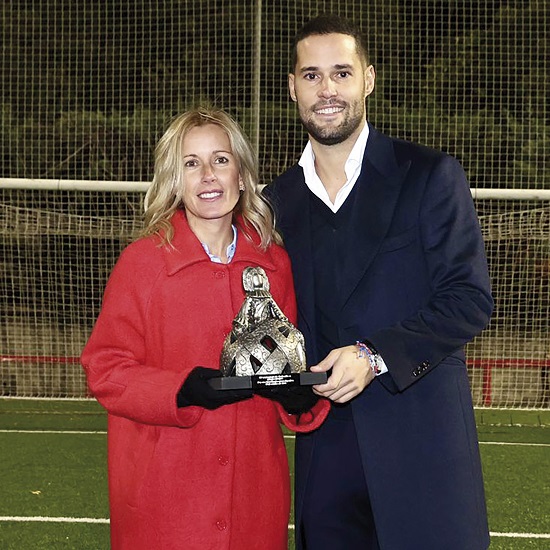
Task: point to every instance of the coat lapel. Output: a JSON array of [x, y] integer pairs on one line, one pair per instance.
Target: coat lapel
[[298, 243], [379, 186], [186, 248]]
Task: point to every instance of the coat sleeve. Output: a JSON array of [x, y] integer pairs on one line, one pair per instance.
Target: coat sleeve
[[115, 356], [460, 304], [308, 421]]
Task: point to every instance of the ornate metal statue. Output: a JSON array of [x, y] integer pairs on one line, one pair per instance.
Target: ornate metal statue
[[262, 341]]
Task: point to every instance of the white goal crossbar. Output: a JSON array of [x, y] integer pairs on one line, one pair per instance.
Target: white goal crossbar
[[139, 186]]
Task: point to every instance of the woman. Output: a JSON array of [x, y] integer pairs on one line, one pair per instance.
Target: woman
[[191, 467]]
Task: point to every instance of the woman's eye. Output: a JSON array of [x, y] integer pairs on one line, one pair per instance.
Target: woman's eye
[[190, 163], [222, 160]]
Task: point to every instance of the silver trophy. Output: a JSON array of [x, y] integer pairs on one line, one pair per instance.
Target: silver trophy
[[263, 348]]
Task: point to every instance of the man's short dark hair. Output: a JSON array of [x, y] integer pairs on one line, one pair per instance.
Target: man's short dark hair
[[330, 24]]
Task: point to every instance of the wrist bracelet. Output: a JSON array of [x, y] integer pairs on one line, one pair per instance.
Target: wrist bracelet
[[364, 351]]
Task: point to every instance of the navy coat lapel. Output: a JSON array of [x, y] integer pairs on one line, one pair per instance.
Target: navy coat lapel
[[378, 190], [298, 243]]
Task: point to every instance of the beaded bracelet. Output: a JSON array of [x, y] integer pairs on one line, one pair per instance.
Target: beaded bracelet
[[364, 351]]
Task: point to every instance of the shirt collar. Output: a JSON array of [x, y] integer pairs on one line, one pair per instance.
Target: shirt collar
[[230, 252], [352, 169], [355, 158]]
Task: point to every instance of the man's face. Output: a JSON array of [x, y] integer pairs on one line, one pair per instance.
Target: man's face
[[330, 84]]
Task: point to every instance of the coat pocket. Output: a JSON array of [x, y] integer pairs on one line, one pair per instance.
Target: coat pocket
[[396, 242], [138, 469]]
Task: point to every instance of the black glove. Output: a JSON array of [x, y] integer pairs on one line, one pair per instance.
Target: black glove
[[197, 391], [294, 399]]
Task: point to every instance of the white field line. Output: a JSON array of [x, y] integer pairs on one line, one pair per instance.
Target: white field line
[[44, 519], [100, 432], [521, 535], [514, 444]]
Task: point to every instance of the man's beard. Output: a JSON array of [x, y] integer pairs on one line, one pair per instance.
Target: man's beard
[[333, 135]]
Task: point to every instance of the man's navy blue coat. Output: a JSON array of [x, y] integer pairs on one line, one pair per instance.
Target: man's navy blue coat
[[415, 283]]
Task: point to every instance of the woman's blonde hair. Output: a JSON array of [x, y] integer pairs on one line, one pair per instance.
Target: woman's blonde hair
[[164, 196]]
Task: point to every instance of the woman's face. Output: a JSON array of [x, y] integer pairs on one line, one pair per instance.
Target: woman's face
[[211, 175]]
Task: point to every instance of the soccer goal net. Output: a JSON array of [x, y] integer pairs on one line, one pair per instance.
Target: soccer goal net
[[57, 249], [56, 252], [509, 363]]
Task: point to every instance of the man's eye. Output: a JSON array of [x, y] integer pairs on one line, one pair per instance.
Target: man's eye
[[343, 74], [310, 76]]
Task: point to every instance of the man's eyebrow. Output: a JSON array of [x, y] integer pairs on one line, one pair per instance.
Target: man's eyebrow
[[308, 69], [338, 67]]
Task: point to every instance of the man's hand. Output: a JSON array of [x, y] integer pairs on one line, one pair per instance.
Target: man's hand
[[351, 374]]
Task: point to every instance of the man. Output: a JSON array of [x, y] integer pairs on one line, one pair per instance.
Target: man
[[391, 282]]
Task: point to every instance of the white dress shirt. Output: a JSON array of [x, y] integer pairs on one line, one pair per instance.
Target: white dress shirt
[[352, 169]]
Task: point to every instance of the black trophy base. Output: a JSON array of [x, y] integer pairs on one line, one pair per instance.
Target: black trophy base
[[261, 381]]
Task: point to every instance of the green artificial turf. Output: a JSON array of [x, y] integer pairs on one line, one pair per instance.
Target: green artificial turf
[[64, 474], [53, 536]]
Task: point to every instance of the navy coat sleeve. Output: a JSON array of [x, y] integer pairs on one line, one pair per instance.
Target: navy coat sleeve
[[459, 302]]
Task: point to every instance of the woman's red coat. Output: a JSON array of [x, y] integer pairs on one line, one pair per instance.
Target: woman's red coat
[[187, 478]]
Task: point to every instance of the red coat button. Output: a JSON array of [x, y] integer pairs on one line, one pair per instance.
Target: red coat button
[[223, 460], [221, 525]]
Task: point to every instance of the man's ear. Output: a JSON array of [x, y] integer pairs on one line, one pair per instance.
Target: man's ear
[[370, 77], [291, 86]]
